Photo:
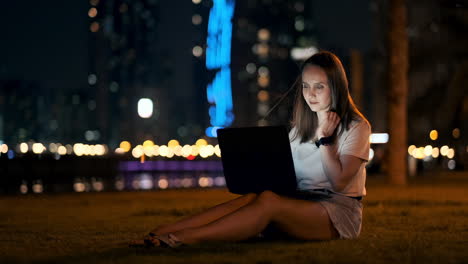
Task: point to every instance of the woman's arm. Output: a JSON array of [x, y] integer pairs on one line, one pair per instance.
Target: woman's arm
[[339, 169]]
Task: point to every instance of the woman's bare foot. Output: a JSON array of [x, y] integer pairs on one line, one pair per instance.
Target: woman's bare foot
[[147, 241]]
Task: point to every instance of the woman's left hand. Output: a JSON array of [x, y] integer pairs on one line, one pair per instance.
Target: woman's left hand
[[329, 125]]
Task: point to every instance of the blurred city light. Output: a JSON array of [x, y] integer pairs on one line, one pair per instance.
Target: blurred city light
[[146, 181], [435, 152], [263, 95], [251, 68], [92, 12], [371, 154], [197, 51], [125, 146], [38, 148], [186, 150], [263, 34], [155, 150], [450, 153], [196, 19], [94, 2], [204, 182], [263, 81], [164, 151], [195, 150], [177, 150], [218, 58], [148, 143], [163, 183], [379, 138], [217, 151], [137, 152], [145, 108], [302, 53], [173, 143], [299, 24], [69, 149], [53, 147], [119, 184], [94, 27], [410, 149], [444, 150], [451, 164], [61, 150], [434, 134], [79, 186], [201, 142], [148, 151], [23, 147], [212, 131], [428, 150], [23, 188], [37, 187], [456, 133], [4, 148]]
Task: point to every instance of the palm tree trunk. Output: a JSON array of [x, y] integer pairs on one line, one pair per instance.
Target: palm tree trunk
[[397, 94]]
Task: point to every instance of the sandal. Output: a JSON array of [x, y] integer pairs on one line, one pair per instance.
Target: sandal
[[153, 240]]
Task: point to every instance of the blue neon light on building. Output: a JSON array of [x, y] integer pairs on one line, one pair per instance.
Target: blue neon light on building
[[218, 58]]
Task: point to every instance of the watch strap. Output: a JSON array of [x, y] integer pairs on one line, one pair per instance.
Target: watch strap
[[324, 141]]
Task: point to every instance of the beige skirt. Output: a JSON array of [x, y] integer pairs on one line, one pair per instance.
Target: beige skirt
[[345, 212]]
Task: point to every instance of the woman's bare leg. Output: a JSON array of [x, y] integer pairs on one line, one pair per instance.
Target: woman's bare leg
[[206, 216], [301, 219]]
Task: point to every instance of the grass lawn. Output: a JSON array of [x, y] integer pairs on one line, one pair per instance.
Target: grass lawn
[[426, 222]]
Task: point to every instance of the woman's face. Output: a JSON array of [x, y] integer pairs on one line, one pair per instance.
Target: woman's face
[[315, 88]]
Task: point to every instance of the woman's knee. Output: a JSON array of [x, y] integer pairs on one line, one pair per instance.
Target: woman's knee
[[267, 197], [251, 196]]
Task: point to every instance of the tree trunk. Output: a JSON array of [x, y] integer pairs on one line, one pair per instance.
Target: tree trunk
[[397, 94]]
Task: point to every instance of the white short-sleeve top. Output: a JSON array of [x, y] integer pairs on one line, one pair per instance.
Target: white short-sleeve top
[[308, 163]]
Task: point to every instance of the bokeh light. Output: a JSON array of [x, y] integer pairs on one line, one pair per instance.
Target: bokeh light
[[435, 152], [444, 150], [410, 149], [450, 153], [125, 146], [24, 147], [434, 134], [456, 133], [38, 148], [173, 143], [92, 12], [145, 108], [4, 148]]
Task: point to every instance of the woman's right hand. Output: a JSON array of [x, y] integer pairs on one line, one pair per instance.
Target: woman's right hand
[[328, 125]]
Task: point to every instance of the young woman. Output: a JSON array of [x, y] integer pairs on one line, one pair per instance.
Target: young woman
[[330, 147]]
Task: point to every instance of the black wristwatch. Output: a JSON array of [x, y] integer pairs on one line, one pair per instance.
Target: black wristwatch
[[324, 141]]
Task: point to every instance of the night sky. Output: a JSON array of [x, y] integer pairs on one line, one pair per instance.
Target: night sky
[[45, 42], [48, 41]]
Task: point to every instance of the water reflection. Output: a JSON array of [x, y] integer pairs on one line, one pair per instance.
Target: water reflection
[[168, 180], [136, 176]]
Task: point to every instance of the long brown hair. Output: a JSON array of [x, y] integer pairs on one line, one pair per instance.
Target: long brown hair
[[304, 119]]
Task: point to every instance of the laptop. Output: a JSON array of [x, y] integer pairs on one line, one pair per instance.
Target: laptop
[[256, 159]]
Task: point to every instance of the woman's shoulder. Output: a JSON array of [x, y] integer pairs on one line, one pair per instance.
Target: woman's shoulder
[[358, 127], [359, 124]]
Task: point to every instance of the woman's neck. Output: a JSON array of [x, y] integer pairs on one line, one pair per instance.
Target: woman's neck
[[321, 116]]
